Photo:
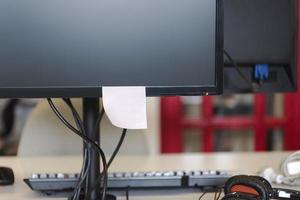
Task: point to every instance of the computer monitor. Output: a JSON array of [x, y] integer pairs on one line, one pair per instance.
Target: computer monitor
[[261, 32], [70, 48]]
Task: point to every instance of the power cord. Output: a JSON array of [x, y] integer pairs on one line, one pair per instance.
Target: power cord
[[80, 131], [202, 195], [86, 139], [86, 163], [76, 115], [254, 87], [82, 177], [127, 192], [115, 152], [217, 194], [84, 171], [104, 184], [73, 129]]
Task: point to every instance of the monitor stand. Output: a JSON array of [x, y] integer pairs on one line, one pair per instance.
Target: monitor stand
[[90, 115]]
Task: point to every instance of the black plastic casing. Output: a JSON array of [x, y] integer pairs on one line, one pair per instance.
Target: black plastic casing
[[78, 90]]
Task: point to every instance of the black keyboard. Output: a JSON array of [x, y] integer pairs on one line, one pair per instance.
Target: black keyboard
[[134, 180]]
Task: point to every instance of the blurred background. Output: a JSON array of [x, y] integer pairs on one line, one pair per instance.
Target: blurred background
[[189, 124]]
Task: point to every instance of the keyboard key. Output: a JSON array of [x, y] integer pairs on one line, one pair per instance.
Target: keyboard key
[[118, 175], [170, 173], [158, 174], [197, 173], [35, 176], [150, 174], [52, 175], [179, 173], [206, 172], [72, 176], [212, 172], [61, 176], [127, 174], [138, 174], [43, 176], [188, 173]]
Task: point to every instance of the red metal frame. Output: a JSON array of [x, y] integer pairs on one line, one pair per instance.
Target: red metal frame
[[171, 111], [172, 121]]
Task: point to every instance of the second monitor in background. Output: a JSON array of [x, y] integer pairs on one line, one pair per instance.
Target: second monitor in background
[[261, 38]]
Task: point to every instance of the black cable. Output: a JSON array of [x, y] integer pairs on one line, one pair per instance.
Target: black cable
[[116, 151], [82, 177], [127, 192], [85, 138], [87, 161], [66, 123], [252, 85], [62, 119], [113, 154], [202, 195], [76, 115], [101, 175], [88, 140], [218, 194], [99, 119], [78, 119]]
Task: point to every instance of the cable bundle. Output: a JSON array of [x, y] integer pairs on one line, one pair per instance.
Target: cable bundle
[[80, 131]]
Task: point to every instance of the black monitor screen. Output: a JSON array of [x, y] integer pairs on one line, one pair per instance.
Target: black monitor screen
[[72, 48]]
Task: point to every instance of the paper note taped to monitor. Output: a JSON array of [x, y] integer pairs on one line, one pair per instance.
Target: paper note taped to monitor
[[125, 106]]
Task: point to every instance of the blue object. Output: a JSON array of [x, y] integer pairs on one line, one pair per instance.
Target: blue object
[[261, 72]]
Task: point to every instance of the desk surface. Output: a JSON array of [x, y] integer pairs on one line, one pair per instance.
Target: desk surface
[[248, 163]]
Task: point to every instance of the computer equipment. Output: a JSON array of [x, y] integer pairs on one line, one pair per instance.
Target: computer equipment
[[70, 48], [243, 187], [261, 32], [6, 176], [162, 180], [73, 48]]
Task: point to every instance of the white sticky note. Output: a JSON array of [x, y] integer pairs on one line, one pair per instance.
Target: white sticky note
[[125, 106]]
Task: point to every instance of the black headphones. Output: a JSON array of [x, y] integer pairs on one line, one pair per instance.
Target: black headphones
[[245, 187]]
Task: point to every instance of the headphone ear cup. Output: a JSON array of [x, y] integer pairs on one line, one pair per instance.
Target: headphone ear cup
[[231, 181], [247, 185], [238, 196], [266, 183]]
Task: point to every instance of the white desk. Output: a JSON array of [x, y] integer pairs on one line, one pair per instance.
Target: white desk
[[248, 163]]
